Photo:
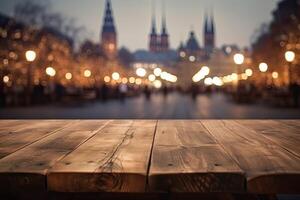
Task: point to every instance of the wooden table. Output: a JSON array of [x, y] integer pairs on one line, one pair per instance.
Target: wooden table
[[142, 157]]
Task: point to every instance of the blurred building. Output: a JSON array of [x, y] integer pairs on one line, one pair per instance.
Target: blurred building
[[192, 48], [209, 35], [192, 56], [109, 33], [159, 43]]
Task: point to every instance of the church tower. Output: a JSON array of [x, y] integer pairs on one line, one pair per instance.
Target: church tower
[[109, 34], [209, 34], [154, 38], [164, 38]]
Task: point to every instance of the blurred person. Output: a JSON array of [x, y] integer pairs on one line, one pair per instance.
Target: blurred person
[[18, 94], [123, 89], [59, 91], [2, 95], [295, 90], [38, 93], [147, 92], [165, 91], [194, 91], [104, 92]]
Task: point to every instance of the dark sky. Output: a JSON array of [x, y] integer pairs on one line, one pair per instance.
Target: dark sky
[[236, 20]]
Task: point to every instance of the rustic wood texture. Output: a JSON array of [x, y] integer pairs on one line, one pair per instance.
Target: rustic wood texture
[[269, 167], [12, 141], [7, 126], [26, 169], [116, 159], [285, 136], [140, 157], [186, 158], [292, 123]]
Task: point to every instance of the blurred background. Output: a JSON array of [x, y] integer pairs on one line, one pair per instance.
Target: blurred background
[[165, 59]]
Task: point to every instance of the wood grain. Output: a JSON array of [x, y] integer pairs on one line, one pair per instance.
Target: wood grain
[[21, 137], [26, 169], [291, 123], [186, 158], [269, 167], [286, 136], [7, 126], [165, 157], [115, 160]]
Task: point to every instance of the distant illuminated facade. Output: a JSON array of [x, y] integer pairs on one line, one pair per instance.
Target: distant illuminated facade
[[109, 33]]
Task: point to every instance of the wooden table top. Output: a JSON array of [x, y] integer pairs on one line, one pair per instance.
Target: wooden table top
[[254, 156]]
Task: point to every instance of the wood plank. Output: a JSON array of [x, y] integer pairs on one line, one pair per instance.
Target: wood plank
[[285, 136], [15, 140], [186, 158], [269, 168], [115, 160], [7, 126], [26, 169], [295, 124]]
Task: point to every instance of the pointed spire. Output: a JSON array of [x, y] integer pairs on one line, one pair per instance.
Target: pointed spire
[[109, 34], [212, 22], [108, 25], [108, 4], [153, 28], [164, 23], [206, 28]]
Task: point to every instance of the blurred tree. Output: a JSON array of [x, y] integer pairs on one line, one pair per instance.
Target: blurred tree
[[39, 14], [282, 34]]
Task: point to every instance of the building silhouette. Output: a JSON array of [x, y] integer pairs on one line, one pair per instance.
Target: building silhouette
[[192, 47], [109, 33], [209, 34], [154, 38], [159, 43]]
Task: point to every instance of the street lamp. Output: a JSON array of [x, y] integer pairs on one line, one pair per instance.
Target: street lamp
[[68, 76], [50, 71], [275, 75], [30, 57], [152, 77], [249, 72], [141, 72], [157, 84], [115, 76], [5, 79], [290, 57], [157, 71], [192, 58], [205, 70], [131, 80], [87, 73], [106, 79], [238, 60], [263, 68]]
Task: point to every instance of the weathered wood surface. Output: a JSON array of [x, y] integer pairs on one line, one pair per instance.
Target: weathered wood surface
[[13, 140], [186, 158], [269, 168], [26, 169], [116, 159], [138, 156]]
